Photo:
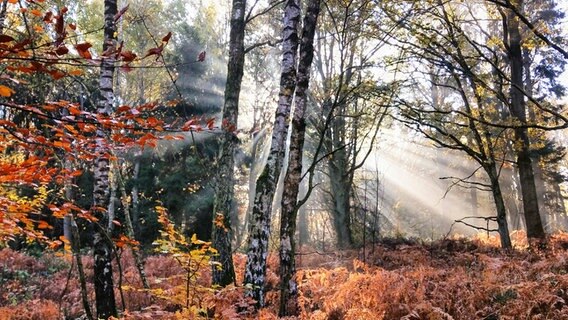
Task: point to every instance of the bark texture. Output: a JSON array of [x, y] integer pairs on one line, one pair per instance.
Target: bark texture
[[259, 232], [290, 205], [223, 271], [102, 245], [518, 111]]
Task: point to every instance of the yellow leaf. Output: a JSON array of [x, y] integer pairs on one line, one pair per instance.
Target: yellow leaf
[[5, 91]]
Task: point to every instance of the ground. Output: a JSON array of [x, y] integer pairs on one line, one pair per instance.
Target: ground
[[395, 279]]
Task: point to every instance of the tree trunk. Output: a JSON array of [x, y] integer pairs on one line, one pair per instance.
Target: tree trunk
[[289, 286], [499, 206], [224, 273], [135, 199], [138, 259], [266, 184], [3, 10], [340, 190], [518, 111], [102, 245]]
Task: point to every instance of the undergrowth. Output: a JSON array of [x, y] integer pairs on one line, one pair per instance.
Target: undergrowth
[[450, 279]]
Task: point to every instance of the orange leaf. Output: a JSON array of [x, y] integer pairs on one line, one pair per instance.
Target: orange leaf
[[83, 46], [56, 74], [44, 225], [74, 111], [76, 72], [5, 91], [36, 12]]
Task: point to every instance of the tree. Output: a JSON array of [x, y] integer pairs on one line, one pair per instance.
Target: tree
[[292, 179], [512, 39], [266, 184], [453, 59], [351, 102], [102, 244], [224, 274]]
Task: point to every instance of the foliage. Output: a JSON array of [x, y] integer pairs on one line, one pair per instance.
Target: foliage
[[193, 256], [450, 279]]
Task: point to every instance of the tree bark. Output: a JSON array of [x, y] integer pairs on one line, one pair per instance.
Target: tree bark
[[518, 111], [290, 206], [102, 245], [138, 259], [266, 184], [499, 206], [224, 273]]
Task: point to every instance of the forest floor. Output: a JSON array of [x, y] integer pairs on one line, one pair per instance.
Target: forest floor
[[396, 279]]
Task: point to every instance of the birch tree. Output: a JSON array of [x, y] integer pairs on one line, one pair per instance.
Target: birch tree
[[292, 179], [259, 230], [102, 243]]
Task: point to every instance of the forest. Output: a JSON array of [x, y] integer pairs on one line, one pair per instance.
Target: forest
[[283, 159]]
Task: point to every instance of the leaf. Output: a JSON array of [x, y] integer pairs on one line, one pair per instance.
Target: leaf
[[83, 46], [76, 72], [57, 74], [36, 12], [128, 56], [201, 56], [48, 16], [211, 123], [5, 91], [155, 51], [5, 38], [61, 50], [44, 225], [167, 37]]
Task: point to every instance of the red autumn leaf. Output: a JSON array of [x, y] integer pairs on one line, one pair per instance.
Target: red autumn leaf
[[128, 56], [83, 46], [48, 16], [76, 173], [72, 26], [56, 74], [74, 111], [187, 126], [122, 109], [155, 51], [167, 37], [201, 56], [85, 54], [211, 123], [120, 13], [5, 38], [152, 122], [61, 50]]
